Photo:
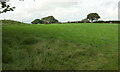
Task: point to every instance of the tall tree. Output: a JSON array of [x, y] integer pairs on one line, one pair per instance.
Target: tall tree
[[5, 7], [93, 16]]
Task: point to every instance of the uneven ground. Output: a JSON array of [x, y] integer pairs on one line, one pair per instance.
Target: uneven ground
[[60, 47]]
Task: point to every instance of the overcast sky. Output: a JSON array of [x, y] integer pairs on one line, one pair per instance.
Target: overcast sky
[[63, 10]]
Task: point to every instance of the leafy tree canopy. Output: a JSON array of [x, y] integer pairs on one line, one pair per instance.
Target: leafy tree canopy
[[49, 19], [93, 16], [37, 21], [85, 20], [5, 7]]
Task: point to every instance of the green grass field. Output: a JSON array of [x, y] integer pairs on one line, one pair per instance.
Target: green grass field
[[60, 47]]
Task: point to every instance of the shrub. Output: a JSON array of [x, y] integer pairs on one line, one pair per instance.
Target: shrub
[[107, 22], [112, 22], [99, 22]]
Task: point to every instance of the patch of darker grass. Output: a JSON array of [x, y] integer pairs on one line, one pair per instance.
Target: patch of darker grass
[[30, 41], [6, 55]]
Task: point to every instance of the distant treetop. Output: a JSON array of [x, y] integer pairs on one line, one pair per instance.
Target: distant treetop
[[93, 16], [45, 20]]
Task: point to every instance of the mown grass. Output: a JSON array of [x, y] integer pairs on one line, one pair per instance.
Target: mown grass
[[60, 47]]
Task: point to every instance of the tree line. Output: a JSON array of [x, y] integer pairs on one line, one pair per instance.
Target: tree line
[[45, 20], [50, 19]]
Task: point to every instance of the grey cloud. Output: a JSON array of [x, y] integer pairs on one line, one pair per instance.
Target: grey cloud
[[63, 10]]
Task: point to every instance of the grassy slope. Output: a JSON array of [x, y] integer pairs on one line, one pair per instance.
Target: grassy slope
[[60, 47]]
